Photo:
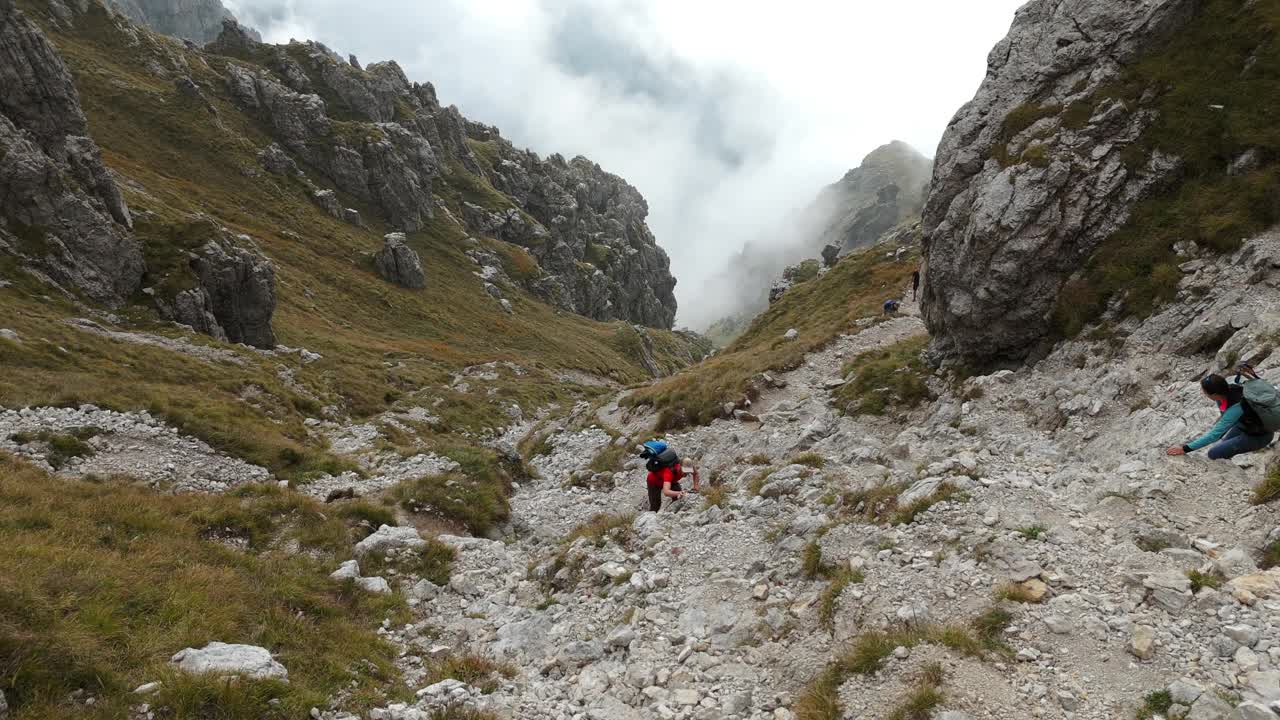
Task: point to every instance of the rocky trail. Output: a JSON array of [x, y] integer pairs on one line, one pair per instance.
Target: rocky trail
[[1046, 485]]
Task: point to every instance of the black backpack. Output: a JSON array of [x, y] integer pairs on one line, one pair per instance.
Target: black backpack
[[664, 459]]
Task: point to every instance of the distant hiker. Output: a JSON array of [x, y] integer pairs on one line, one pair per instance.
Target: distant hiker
[[1250, 416], [915, 284], [665, 473], [891, 307]]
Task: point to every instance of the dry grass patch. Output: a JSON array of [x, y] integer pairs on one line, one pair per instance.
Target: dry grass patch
[[101, 583], [475, 670], [603, 527], [889, 378]]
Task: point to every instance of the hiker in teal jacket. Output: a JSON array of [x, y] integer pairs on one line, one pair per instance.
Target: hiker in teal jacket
[[1238, 430]]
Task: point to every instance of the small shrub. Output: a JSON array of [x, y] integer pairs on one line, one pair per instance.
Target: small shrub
[[759, 459], [1200, 580], [1154, 704], [756, 483]]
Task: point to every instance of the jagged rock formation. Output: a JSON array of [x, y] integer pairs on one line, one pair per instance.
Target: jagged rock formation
[[197, 20], [235, 298], [1031, 174], [395, 143], [59, 206], [884, 191], [398, 263]]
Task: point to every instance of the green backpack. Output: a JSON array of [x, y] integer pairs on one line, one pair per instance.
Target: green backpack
[[1263, 397]]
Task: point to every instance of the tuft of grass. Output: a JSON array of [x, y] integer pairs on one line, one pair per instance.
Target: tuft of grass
[[875, 505], [602, 527], [1155, 704], [811, 459], [475, 670], [920, 702], [829, 598], [891, 377], [609, 458], [120, 579], [759, 459], [716, 495], [1032, 532], [945, 492], [1200, 580], [1270, 556], [1268, 489], [811, 563], [990, 626]]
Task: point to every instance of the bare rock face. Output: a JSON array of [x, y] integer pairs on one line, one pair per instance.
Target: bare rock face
[[235, 297], [585, 227], [399, 264], [196, 20], [57, 200], [1030, 176]]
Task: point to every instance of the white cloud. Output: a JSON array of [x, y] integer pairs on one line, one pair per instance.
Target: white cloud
[[724, 115]]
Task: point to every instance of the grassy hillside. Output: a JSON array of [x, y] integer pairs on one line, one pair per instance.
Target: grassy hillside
[[819, 310], [1217, 87], [103, 583], [185, 172]]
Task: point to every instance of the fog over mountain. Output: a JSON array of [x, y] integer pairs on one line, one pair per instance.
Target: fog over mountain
[[726, 122]]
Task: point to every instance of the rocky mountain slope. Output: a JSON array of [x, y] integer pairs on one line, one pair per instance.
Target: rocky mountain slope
[[1104, 136], [410, 492], [199, 21], [885, 191]]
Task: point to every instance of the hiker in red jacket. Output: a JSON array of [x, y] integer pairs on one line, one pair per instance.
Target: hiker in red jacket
[[665, 473]]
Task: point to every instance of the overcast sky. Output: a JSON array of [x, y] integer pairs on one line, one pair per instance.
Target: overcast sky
[[726, 115]]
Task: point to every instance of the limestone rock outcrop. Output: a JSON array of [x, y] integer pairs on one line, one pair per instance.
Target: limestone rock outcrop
[[1031, 174], [59, 206], [399, 264], [401, 152], [235, 298], [197, 20]]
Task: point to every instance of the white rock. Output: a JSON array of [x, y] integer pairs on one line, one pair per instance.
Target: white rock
[[229, 659], [376, 585], [146, 688], [390, 538], [349, 570]]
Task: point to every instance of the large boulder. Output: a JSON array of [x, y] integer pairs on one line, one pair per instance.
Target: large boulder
[[218, 658], [398, 263], [1031, 175], [59, 206]]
